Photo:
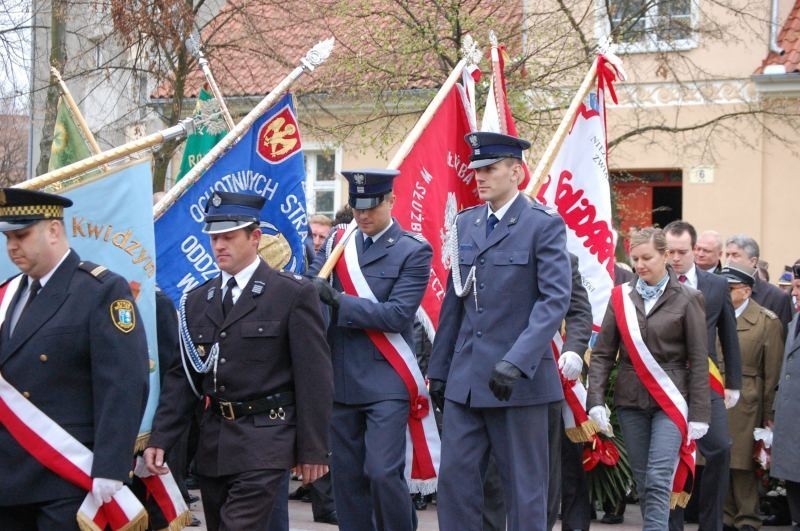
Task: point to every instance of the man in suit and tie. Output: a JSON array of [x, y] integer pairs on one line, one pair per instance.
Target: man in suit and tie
[[720, 321], [786, 431], [73, 346], [492, 367], [373, 294], [256, 356]]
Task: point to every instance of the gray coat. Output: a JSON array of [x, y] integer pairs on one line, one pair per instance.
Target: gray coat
[[523, 278], [785, 448]]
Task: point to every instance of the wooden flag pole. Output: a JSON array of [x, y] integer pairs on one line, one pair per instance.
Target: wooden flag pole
[[471, 55], [95, 161], [76, 113], [315, 57], [543, 168]]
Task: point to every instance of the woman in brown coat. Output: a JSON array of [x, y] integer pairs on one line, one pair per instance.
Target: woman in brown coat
[[670, 322], [761, 340]]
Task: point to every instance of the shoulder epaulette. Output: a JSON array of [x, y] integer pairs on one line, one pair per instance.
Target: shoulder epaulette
[[469, 208], [769, 313], [416, 236], [290, 275], [342, 226], [97, 271], [545, 208]]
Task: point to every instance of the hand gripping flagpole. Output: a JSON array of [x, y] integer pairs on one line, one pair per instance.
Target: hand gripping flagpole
[[181, 129], [193, 44], [315, 57], [543, 168], [471, 54]]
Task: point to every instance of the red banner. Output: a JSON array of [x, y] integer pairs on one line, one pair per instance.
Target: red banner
[[433, 186]]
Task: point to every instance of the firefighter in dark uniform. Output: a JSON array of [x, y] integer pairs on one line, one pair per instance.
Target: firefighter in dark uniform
[[72, 344], [254, 346]]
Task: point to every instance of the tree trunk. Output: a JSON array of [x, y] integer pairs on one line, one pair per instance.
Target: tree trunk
[[58, 56], [162, 157]]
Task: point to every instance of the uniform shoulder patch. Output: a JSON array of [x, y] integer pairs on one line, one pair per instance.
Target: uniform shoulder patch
[[416, 236], [123, 315], [97, 271], [293, 276], [550, 211], [769, 313]]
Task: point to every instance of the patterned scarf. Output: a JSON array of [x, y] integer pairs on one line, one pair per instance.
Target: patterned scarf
[[649, 292]]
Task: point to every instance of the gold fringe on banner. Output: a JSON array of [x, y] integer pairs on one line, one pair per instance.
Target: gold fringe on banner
[[141, 442], [583, 433], [139, 523], [183, 520], [680, 499]]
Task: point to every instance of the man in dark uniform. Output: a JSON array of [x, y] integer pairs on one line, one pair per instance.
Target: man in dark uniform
[[72, 344], [715, 446], [255, 350], [507, 293], [371, 401]]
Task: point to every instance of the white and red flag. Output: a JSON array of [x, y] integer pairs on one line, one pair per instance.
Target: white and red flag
[[497, 117], [435, 183], [578, 188]]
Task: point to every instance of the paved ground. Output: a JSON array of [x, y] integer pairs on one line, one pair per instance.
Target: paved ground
[[300, 518]]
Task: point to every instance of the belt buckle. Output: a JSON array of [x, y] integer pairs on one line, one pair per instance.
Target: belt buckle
[[226, 410]]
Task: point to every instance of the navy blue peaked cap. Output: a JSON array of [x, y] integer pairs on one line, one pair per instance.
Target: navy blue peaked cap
[[369, 186], [488, 148], [227, 211], [738, 275], [20, 208]]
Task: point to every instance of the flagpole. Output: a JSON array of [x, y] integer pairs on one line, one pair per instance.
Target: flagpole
[[543, 168], [193, 43], [315, 57], [183, 128], [471, 55], [76, 113]]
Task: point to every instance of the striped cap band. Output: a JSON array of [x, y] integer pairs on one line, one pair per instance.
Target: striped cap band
[[32, 211]]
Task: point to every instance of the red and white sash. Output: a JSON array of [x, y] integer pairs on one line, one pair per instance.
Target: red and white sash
[[422, 437], [660, 387], [577, 424], [67, 457]]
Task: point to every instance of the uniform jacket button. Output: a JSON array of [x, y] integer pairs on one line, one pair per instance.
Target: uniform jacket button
[[130, 474], [26, 394], [223, 335], [222, 360], [221, 388], [482, 261], [43, 358], [479, 333], [260, 329]]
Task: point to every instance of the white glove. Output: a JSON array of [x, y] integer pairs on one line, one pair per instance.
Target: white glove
[[696, 431], [731, 397], [570, 364], [599, 414], [104, 489], [763, 434]]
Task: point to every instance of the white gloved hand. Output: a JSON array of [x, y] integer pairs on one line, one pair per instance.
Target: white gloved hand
[[104, 489], [763, 434], [599, 414], [731, 397], [696, 431], [570, 364]]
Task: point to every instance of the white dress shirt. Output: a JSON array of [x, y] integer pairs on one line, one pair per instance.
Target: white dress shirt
[[502, 210], [242, 278]]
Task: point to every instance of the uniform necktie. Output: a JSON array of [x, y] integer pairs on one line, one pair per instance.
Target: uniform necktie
[[682, 279], [35, 287], [227, 300], [491, 223], [367, 242]]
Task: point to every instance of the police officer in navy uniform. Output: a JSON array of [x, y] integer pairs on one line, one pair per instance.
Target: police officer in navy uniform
[[508, 291], [72, 343], [371, 403], [254, 345]]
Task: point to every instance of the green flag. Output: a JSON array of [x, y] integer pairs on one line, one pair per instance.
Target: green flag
[[68, 144], [206, 135]]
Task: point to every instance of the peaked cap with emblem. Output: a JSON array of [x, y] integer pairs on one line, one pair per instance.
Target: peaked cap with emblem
[[739, 275], [20, 208], [488, 148], [369, 186], [227, 211]]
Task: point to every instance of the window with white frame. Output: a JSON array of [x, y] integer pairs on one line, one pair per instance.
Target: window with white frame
[[651, 25], [323, 192]]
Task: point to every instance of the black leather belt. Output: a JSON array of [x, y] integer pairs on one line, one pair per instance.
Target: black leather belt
[[272, 404]]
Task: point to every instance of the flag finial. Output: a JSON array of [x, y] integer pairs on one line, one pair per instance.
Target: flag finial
[[470, 50], [318, 54]]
